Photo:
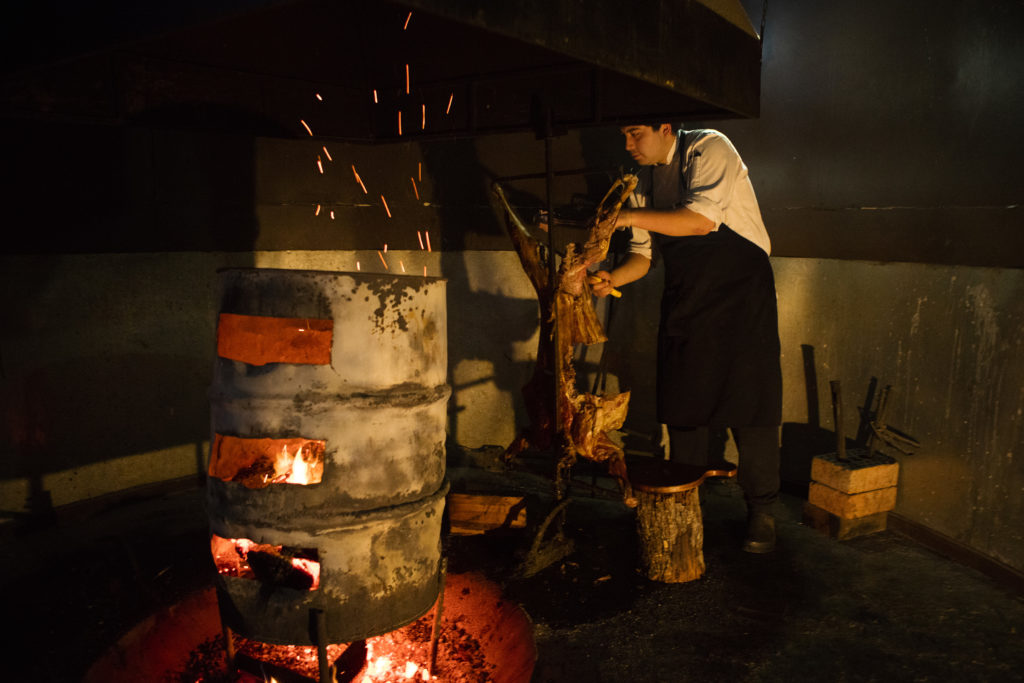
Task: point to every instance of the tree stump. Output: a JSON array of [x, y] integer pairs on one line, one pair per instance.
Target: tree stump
[[671, 533], [669, 522]]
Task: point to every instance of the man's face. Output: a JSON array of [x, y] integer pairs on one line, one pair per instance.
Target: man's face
[[648, 145]]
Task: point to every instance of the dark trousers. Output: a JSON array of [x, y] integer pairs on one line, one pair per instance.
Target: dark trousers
[[758, 449]]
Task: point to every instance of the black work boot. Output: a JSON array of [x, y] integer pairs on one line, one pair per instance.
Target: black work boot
[[760, 532]]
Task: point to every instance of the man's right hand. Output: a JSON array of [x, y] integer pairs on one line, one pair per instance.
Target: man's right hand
[[603, 286]]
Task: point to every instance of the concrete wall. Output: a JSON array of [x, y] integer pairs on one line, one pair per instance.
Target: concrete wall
[[885, 161], [948, 341], [108, 358]]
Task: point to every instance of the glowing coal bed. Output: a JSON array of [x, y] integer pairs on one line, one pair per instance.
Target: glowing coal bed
[[482, 637]]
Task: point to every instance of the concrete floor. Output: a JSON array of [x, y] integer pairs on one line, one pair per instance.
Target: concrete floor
[[877, 608]]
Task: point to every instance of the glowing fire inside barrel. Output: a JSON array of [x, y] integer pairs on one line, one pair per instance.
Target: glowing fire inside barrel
[[257, 463], [326, 485]]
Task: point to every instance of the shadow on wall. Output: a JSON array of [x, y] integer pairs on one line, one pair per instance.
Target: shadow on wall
[[801, 442], [108, 350], [492, 309]]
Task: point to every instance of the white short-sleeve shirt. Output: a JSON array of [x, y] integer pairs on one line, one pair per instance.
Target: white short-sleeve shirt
[[718, 187]]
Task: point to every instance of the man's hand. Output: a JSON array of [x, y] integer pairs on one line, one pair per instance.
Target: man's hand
[[601, 284]]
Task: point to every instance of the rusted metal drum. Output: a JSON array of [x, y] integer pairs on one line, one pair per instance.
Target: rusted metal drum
[[327, 462]]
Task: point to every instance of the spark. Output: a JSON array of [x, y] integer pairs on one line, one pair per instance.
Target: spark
[[375, 100], [382, 260], [358, 179], [319, 163], [332, 214], [407, 79], [419, 170], [328, 154], [407, 21], [357, 266], [306, 126], [424, 124], [414, 188], [450, 98], [385, 248], [401, 264], [317, 212], [386, 205], [319, 98], [427, 233], [424, 271], [419, 236], [399, 121]]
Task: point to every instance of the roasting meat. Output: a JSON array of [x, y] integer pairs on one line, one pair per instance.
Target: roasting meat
[[568, 318]]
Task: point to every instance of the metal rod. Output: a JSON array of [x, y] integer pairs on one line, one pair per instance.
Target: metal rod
[[320, 618], [549, 170], [879, 419], [229, 647], [837, 418], [538, 176], [435, 634]]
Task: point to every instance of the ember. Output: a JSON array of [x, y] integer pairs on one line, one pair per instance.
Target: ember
[[395, 657], [482, 637]]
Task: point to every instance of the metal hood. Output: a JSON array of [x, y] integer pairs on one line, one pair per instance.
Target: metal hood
[[474, 66]]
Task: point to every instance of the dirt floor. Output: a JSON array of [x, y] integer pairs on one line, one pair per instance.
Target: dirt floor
[[877, 608]]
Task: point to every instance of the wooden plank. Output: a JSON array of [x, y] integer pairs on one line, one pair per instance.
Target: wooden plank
[[858, 473], [841, 528], [853, 505], [476, 513]]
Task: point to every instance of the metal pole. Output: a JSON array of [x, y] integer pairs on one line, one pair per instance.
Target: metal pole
[[229, 648], [435, 635], [837, 418], [320, 618], [549, 172]]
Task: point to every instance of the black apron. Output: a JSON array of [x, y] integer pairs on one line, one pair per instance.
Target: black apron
[[718, 339]]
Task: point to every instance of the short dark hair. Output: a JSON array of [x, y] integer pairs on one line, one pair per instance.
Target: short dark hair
[[652, 123]]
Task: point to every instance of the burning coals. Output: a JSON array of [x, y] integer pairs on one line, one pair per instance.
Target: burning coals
[[396, 657]]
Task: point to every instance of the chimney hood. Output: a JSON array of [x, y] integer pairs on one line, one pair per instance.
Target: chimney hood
[[474, 66]]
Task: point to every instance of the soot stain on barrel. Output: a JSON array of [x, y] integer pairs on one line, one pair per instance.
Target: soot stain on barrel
[[390, 295]]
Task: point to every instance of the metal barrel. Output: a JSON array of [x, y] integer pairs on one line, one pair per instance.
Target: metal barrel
[[343, 374]]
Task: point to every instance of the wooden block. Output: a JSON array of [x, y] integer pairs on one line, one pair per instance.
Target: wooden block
[[856, 474], [841, 528], [475, 513], [851, 505], [671, 531]]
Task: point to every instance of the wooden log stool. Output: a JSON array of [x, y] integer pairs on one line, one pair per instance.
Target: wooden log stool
[[669, 521]]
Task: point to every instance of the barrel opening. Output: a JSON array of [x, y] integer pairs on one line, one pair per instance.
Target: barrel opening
[[258, 340], [258, 463], [274, 566]]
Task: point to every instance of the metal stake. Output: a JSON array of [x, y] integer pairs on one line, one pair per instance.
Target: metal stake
[[320, 618], [837, 417], [435, 635], [229, 647]]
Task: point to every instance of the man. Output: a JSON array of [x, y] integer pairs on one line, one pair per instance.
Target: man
[[718, 340]]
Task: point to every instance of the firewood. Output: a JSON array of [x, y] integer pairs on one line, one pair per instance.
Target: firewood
[[475, 513]]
